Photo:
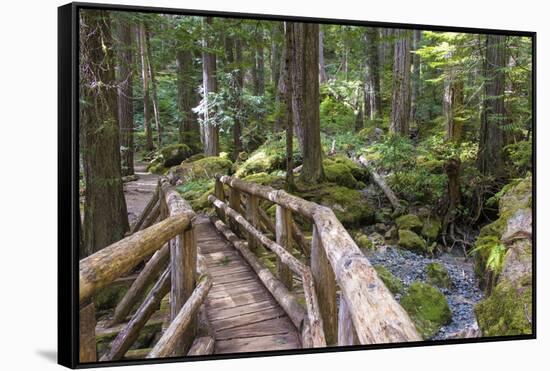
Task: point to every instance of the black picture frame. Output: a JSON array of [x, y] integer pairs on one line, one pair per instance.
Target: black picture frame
[[68, 192]]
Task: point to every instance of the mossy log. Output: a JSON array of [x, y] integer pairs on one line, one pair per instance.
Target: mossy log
[[312, 305], [154, 266], [115, 260], [166, 346], [130, 333]]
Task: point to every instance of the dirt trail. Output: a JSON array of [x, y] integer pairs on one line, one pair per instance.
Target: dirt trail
[[139, 192]]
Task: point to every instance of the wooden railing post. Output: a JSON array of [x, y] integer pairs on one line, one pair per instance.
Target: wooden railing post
[[253, 216], [235, 204], [346, 331], [283, 232], [325, 286], [183, 263], [87, 351], [220, 195]]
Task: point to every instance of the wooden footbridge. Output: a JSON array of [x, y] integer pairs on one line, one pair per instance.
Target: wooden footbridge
[[203, 279]]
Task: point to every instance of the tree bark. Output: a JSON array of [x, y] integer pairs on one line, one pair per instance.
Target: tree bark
[[145, 87], [493, 116], [303, 49], [373, 105], [415, 81], [211, 130], [237, 140], [105, 216], [258, 72], [322, 71], [125, 96], [453, 100], [401, 91], [188, 126]]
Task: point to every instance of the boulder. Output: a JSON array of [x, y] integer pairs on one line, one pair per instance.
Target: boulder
[[410, 222], [431, 228], [427, 307], [437, 275], [174, 154], [204, 168], [411, 241], [363, 242], [392, 283]]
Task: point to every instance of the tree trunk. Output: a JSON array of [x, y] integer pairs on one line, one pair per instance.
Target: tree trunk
[[373, 105], [303, 49], [258, 72], [237, 140], [401, 94], [280, 97], [276, 57], [211, 131], [493, 116], [151, 73], [453, 100], [285, 111], [188, 126], [145, 79], [105, 217], [125, 97], [415, 81], [322, 71]]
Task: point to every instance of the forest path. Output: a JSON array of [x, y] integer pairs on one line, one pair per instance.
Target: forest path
[[139, 192], [243, 314]]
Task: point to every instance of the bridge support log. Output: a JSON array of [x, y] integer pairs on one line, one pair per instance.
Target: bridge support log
[[87, 351], [202, 346], [235, 204], [166, 346], [115, 260], [130, 333], [145, 213], [325, 287], [219, 193], [148, 274], [283, 227]]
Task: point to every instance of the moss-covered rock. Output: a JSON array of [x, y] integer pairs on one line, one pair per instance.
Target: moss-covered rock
[[411, 241], [383, 215], [339, 174], [431, 228], [275, 181], [427, 307], [508, 310], [109, 297], [269, 157], [174, 154], [437, 275], [410, 222], [363, 241], [392, 283], [204, 168], [349, 205]]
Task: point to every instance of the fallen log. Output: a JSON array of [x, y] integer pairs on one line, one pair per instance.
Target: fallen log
[[115, 260], [381, 183], [130, 333], [171, 337]]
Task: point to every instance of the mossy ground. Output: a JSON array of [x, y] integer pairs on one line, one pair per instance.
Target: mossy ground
[[427, 307]]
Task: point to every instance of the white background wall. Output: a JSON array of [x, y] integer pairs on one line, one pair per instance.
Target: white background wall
[[28, 181]]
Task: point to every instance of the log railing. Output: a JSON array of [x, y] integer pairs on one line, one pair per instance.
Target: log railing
[[164, 237], [367, 313]]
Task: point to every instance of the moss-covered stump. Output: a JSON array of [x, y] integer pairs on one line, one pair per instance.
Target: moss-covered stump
[[392, 283], [431, 228], [504, 260], [508, 310], [437, 275], [410, 222], [427, 307], [411, 241]]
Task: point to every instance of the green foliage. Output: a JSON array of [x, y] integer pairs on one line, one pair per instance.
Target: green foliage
[[521, 156], [336, 116], [427, 307]]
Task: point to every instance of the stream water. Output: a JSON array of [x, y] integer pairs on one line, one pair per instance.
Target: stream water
[[462, 296]]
